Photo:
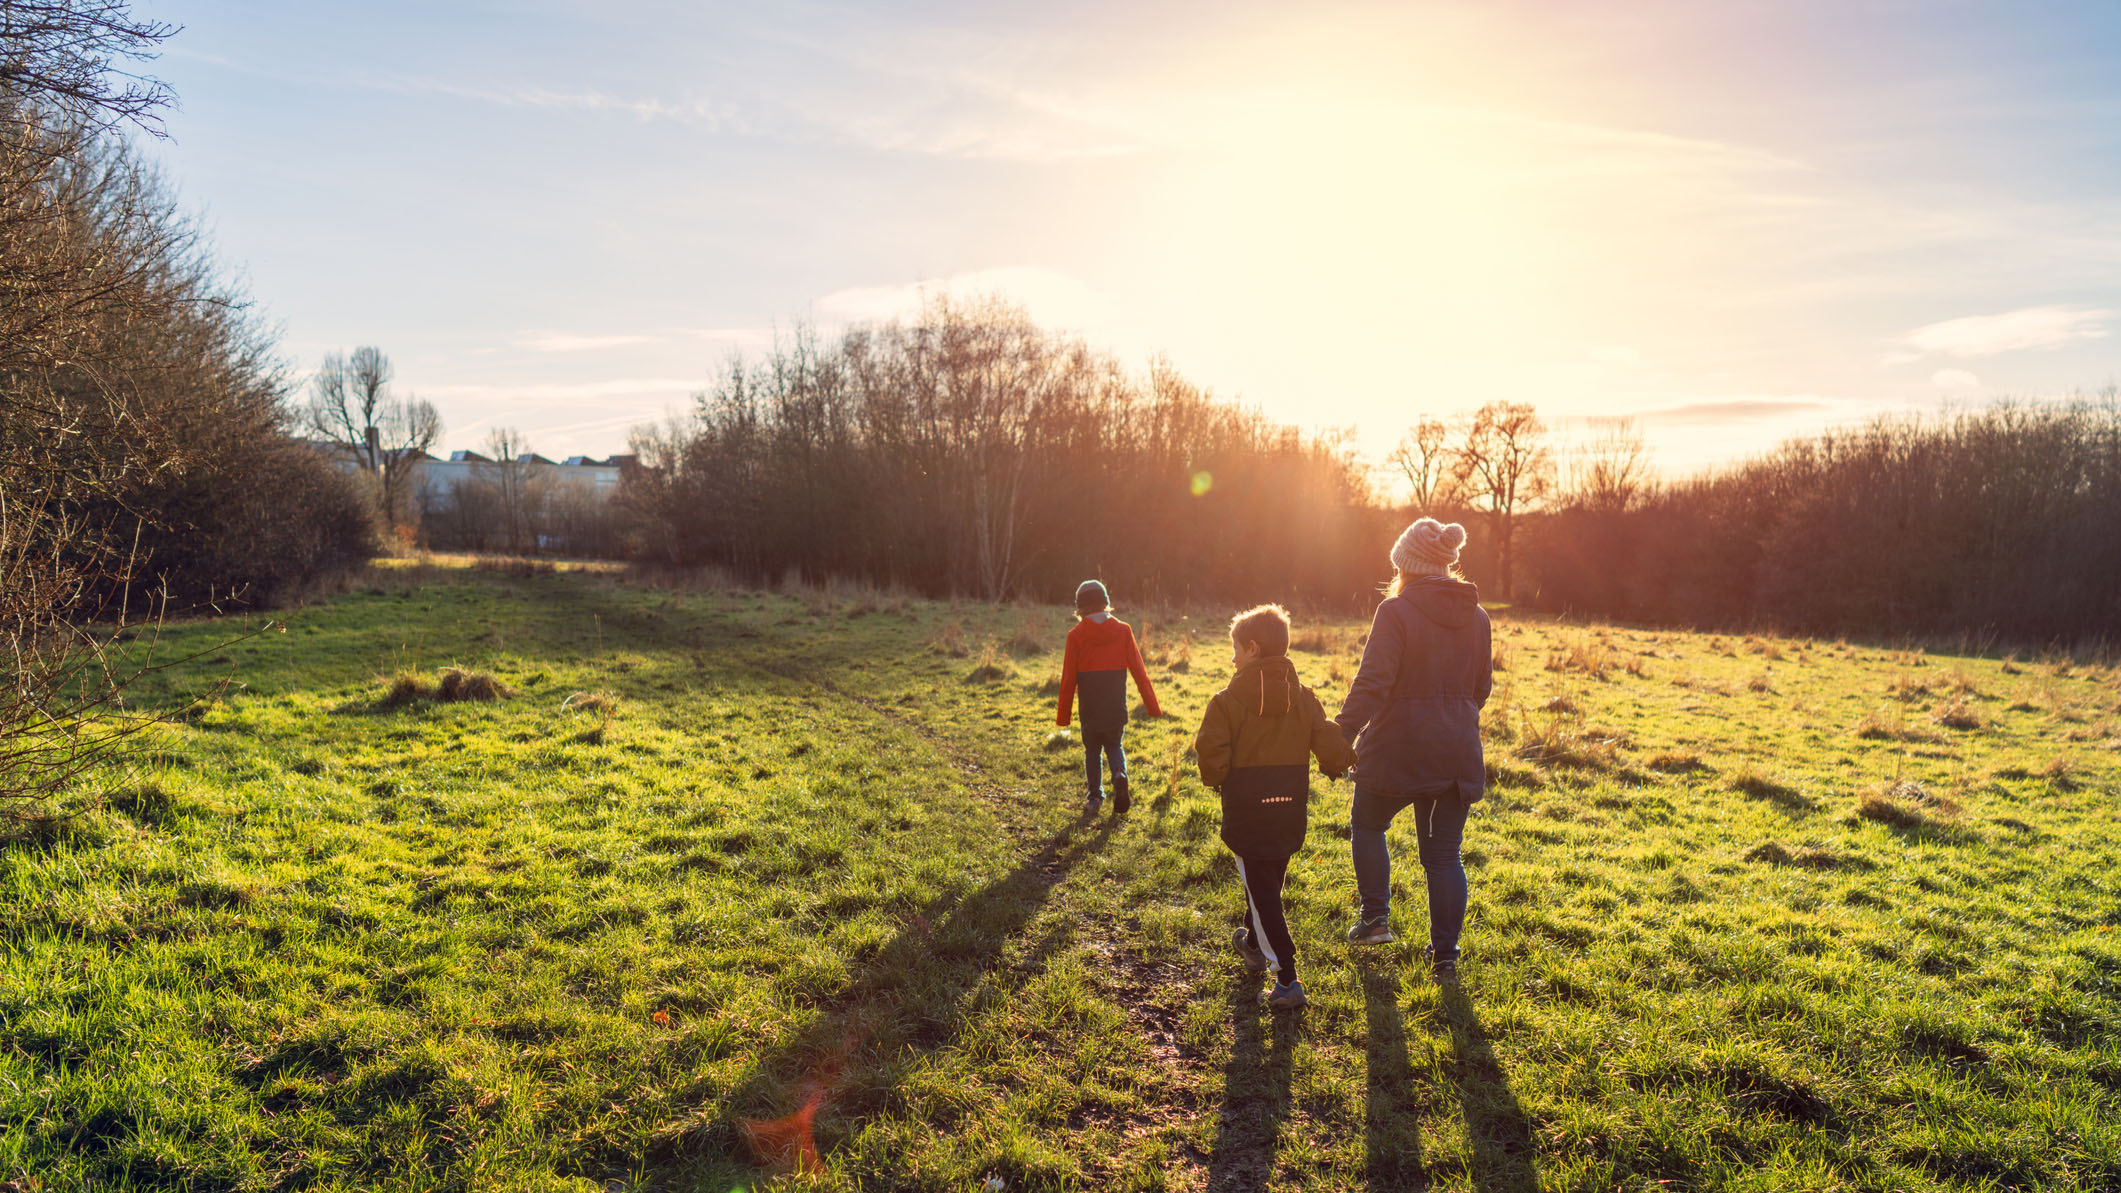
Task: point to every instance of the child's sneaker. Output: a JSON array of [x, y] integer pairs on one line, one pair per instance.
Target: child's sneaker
[[1094, 805], [1287, 996], [1254, 959], [1377, 931], [1121, 800]]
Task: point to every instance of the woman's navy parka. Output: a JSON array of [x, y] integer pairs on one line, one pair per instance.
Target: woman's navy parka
[[1413, 711]]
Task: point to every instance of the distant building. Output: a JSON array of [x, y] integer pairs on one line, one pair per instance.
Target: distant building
[[438, 477]]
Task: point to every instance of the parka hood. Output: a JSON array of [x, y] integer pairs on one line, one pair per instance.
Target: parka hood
[[1447, 602], [1268, 686]]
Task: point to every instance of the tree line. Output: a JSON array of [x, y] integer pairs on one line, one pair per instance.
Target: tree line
[[144, 459], [2003, 523], [966, 450]]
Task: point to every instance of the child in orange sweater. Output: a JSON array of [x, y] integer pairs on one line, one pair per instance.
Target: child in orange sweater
[[1101, 653]]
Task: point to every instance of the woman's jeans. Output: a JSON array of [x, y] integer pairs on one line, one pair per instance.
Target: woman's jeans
[[1440, 825], [1106, 742]]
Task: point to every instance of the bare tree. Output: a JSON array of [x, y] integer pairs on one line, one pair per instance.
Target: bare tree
[[1505, 467], [62, 54], [518, 491], [1610, 472], [351, 405], [1425, 457]]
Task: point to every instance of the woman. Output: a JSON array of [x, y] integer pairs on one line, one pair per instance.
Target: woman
[[1413, 713]]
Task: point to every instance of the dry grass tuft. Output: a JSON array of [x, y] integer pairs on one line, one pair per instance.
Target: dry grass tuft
[[2061, 771], [1750, 781], [1566, 742], [1890, 725], [1563, 705], [1760, 683], [950, 640], [1026, 641], [1766, 650], [1905, 803], [1957, 713], [1907, 691], [459, 684], [1678, 762], [1315, 640], [1588, 656], [406, 687], [991, 665], [603, 703]]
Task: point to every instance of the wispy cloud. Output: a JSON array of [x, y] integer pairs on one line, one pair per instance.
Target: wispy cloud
[[1734, 410], [589, 99], [559, 341], [565, 392], [1992, 335], [1954, 379]]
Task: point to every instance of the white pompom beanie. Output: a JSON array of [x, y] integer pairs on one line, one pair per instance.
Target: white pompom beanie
[[1428, 548]]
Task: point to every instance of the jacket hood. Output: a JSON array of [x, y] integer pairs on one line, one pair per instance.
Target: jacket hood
[[1110, 629], [1268, 686], [1447, 602]]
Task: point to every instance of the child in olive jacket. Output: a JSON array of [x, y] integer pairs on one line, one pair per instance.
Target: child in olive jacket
[[1100, 654], [1255, 746]]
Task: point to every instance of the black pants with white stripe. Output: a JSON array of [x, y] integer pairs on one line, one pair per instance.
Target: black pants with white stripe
[[1265, 925]]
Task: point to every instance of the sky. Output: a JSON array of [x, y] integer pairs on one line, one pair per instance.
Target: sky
[[1733, 222]]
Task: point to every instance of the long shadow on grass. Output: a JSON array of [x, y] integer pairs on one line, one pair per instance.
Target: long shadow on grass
[[1391, 1130], [1504, 1159], [911, 999], [1256, 1086]]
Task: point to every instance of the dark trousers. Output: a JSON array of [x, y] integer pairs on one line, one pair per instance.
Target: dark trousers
[[1440, 825], [1265, 925], [1107, 743]]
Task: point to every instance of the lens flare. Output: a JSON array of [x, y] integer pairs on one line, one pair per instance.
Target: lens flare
[[1202, 482]]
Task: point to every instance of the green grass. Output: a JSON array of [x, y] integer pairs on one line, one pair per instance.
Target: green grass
[[1746, 914]]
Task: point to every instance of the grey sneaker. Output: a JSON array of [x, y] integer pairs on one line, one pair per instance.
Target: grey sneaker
[[1377, 931], [1446, 973], [1254, 960], [1287, 996], [1094, 805]]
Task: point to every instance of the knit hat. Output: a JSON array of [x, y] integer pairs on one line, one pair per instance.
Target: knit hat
[[1428, 548], [1090, 597]]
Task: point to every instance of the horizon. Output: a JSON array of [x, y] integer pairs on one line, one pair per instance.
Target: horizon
[[1737, 226]]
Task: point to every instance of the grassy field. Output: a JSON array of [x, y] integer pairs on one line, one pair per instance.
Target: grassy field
[[748, 890]]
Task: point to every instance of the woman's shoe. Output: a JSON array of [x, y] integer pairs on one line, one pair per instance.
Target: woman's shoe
[[1287, 997], [1254, 959]]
